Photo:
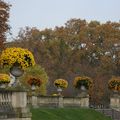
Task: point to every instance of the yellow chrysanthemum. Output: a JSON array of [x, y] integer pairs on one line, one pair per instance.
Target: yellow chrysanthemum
[[114, 83], [4, 78], [61, 83], [21, 56], [82, 80]]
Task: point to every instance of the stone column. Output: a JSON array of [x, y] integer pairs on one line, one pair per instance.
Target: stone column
[[60, 102], [84, 101], [19, 99], [19, 103], [115, 102], [34, 101]]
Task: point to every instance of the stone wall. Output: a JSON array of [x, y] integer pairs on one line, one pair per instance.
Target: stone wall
[[56, 101]]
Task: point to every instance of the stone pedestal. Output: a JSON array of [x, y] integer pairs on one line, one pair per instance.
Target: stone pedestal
[[19, 103], [13, 105], [115, 102], [19, 99], [84, 102], [60, 102], [83, 94], [34, 101]]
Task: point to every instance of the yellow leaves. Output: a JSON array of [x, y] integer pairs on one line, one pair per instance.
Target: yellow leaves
[[61, 83], [14, 55]]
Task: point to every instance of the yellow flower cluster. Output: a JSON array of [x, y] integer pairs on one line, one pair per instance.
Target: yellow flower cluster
[[4, 78], [82, 80], [114, 83], [61, 83], [21, 56]]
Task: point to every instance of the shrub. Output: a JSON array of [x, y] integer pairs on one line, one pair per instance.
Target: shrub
[[36, 72]]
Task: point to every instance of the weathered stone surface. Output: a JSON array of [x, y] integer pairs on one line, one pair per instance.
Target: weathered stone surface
[[13, 105], [115, 102], [56, 101]]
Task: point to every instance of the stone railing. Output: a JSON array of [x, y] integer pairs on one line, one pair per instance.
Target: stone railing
[[13, 105], [56, 101]]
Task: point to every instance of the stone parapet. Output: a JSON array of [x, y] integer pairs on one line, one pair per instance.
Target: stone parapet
[[13, 105], [58, 101]]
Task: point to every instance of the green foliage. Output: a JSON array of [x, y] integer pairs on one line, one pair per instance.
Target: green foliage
[[37, 72], [5, 69], [66, 114]]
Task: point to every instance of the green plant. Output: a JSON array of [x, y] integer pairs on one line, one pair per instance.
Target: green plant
[[36, 72]]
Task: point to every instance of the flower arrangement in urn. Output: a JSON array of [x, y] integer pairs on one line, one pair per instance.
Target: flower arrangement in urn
[[114, 84], [82, 81], [34, 81], [4, 79], [22, 57], [61, 83]]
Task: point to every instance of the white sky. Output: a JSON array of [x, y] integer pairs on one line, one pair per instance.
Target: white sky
[[50, 13]]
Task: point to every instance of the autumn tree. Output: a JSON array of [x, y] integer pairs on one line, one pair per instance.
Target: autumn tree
[[77, 48], [4, 27]]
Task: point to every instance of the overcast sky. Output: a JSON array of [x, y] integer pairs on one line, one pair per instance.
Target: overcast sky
[[50, 13]]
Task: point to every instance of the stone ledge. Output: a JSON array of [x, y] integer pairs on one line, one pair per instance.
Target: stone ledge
[[3, 90]]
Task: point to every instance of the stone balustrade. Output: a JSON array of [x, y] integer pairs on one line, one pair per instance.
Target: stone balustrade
[[58, 101], [13, 105]]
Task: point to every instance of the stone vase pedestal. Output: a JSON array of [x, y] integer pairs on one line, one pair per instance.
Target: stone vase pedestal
[[60, 102], [34, 101], [19, 103], [115, 101]]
